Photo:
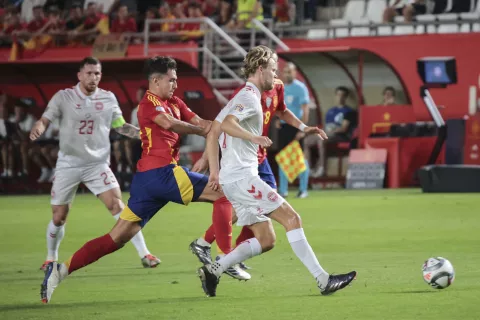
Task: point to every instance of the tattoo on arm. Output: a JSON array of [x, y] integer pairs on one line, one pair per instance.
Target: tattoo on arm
[[129, 130]]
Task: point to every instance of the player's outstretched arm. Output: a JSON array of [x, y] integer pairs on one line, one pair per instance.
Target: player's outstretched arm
[[168, 122], [231, 126], [292, 120], [39, 128], [128, 130]]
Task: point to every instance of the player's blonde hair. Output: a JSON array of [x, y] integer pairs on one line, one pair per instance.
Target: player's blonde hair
[[256, 57]]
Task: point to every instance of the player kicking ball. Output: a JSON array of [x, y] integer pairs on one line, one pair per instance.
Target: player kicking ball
[[86, 114], [273, 103], [162, 118], [254, 201]]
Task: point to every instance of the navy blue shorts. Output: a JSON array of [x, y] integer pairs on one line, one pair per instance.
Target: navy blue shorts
[[151, 190], [266, 174]]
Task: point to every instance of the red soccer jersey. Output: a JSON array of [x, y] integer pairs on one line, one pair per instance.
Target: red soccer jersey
[[36, 25], [272, 101], [159, 146], [128, 25]]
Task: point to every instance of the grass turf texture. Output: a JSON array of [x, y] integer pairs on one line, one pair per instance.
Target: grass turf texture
[[385, 235]]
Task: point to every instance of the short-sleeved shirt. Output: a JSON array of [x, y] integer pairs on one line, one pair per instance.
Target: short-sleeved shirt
[[271, 100], [159, 146], [85, 123], [239, 157], [296, 95]]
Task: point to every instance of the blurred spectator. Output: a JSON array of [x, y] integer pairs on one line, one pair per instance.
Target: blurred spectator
[[22, 124], [92, 16], [123, 22], [340, 120], [246, 11], [194, 11], [340, 124], [102, 6], [407, 8], [284, 11], [211, 9], [165, 13], [389, 96], [226, 11], [38, 21], [55, 24], [152, 13], [12, 24], [75, 18], [28, 6], [134, 146]]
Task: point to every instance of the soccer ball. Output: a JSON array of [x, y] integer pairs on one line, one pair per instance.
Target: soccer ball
[[438, 273]]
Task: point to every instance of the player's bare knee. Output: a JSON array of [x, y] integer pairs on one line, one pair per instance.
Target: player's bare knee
[[60, 214]]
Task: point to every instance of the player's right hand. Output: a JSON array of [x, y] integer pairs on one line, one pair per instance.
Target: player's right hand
[[262, 141], [37, 130], [213, 182]]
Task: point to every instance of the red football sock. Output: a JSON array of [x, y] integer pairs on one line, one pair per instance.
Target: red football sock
[[245, 234], [209, 235], [91, 252], [222, 222]]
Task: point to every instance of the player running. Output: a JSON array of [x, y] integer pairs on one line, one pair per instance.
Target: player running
[[86, 114], [254, 201], [272, 104], [162, 118]]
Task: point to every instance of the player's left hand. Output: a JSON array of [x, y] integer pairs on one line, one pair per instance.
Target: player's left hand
[[316, 130], [299, 135], [201, 165], [213, 182]]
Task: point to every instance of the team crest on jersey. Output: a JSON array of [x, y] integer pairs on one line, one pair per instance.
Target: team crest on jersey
[[99, 106], [239, 107]]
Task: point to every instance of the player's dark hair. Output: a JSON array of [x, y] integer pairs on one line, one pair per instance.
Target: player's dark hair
[[89, 60], [344, 90], [159, 64], [391, 89]]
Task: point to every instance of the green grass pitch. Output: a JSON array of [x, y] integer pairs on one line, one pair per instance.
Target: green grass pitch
[[385, 235]]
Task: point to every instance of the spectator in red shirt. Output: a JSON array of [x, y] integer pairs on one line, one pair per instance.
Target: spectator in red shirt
[[123, 23], [194, 11], [55, 23], [13, 24], [282, 11], [92, 17], [151, 13], [38, 21], [210, 8]]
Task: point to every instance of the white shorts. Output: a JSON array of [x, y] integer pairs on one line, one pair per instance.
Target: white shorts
[[252, 200], [98, 179]]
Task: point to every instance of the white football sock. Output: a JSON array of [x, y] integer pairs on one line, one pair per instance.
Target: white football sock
[[202, 242], [54, 237], [304, 252], [138, 241], [245, 250]]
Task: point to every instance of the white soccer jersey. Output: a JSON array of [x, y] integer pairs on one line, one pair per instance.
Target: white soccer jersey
[[85, 123], [239, 157]]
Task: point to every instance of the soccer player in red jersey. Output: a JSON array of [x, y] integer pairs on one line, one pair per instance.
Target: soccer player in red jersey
[[162, 119], [273, 103]]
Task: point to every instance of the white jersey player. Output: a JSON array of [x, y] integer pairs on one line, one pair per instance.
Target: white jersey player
[[254, 201], [86, 114]]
